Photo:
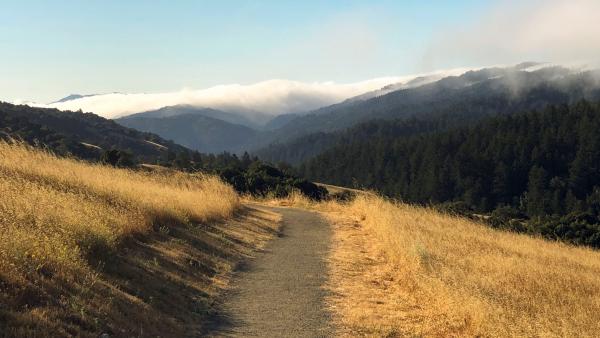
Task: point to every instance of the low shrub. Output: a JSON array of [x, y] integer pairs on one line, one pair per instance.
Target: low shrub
[[260, 179], [458, 208]]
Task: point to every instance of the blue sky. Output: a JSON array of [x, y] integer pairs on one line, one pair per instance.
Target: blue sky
[[50, 49]]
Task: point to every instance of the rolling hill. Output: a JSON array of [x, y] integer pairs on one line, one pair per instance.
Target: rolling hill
[[462, 98], [91, 137], [438, 100], [205, 130], [485, 91], [240, 118], [82, 134], [451, 101]]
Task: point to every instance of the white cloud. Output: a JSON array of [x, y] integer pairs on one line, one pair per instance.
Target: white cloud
[[562, 31], [272, 97]]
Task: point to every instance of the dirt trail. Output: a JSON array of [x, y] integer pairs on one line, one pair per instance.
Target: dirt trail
[[280, 293]]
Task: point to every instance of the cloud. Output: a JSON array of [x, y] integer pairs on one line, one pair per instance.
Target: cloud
[[561, 31], [270, 97]]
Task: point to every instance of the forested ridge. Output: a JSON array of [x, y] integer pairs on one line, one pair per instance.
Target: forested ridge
[[456, 100], [306, 147], [537, 171]]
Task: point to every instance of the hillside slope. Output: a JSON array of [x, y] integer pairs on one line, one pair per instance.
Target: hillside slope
[[194, 130], [456, 100], [297, 137], [540, 166], [89, 249], [237, 118], [483, 92], [85, 135], [400, 270]]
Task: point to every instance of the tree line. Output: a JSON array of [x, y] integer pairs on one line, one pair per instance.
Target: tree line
[[537, 172]]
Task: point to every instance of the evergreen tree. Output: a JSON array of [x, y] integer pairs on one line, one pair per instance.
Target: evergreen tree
[[537, 192]]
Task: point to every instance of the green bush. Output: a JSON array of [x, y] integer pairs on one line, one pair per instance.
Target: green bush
[[260, 179], [458, 208], [117, 158], [507, 217]]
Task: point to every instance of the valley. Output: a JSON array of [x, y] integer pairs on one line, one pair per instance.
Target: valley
[[174, 169], [440, 204], [456, 142], [449, 100]]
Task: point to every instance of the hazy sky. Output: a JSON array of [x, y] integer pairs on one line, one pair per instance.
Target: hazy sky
[[49, 49]]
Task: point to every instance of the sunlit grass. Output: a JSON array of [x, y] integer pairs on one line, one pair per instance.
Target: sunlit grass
[[407, 270], [58, 216]]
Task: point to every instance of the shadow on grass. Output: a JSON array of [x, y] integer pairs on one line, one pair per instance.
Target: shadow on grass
[[161, 284]]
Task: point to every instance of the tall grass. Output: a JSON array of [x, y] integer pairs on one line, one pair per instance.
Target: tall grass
[[450, 276], [57, 215]]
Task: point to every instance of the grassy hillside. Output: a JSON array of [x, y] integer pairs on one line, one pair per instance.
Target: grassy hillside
[[84, 135], [401, 270], [86, 249], [533, 172]]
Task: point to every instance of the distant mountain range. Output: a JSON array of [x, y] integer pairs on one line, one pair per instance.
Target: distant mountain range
[[518, 141], [171, 111], [466, 97], [449, 102], [256, 101], [295, 135], [205, 130], [72, 97]]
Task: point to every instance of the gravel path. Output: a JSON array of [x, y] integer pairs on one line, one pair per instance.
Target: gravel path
[[280, 293]]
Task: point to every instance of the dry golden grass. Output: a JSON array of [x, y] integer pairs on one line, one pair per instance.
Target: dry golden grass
[[401, 270], [295, 199], [54, 210], [66, 225]]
